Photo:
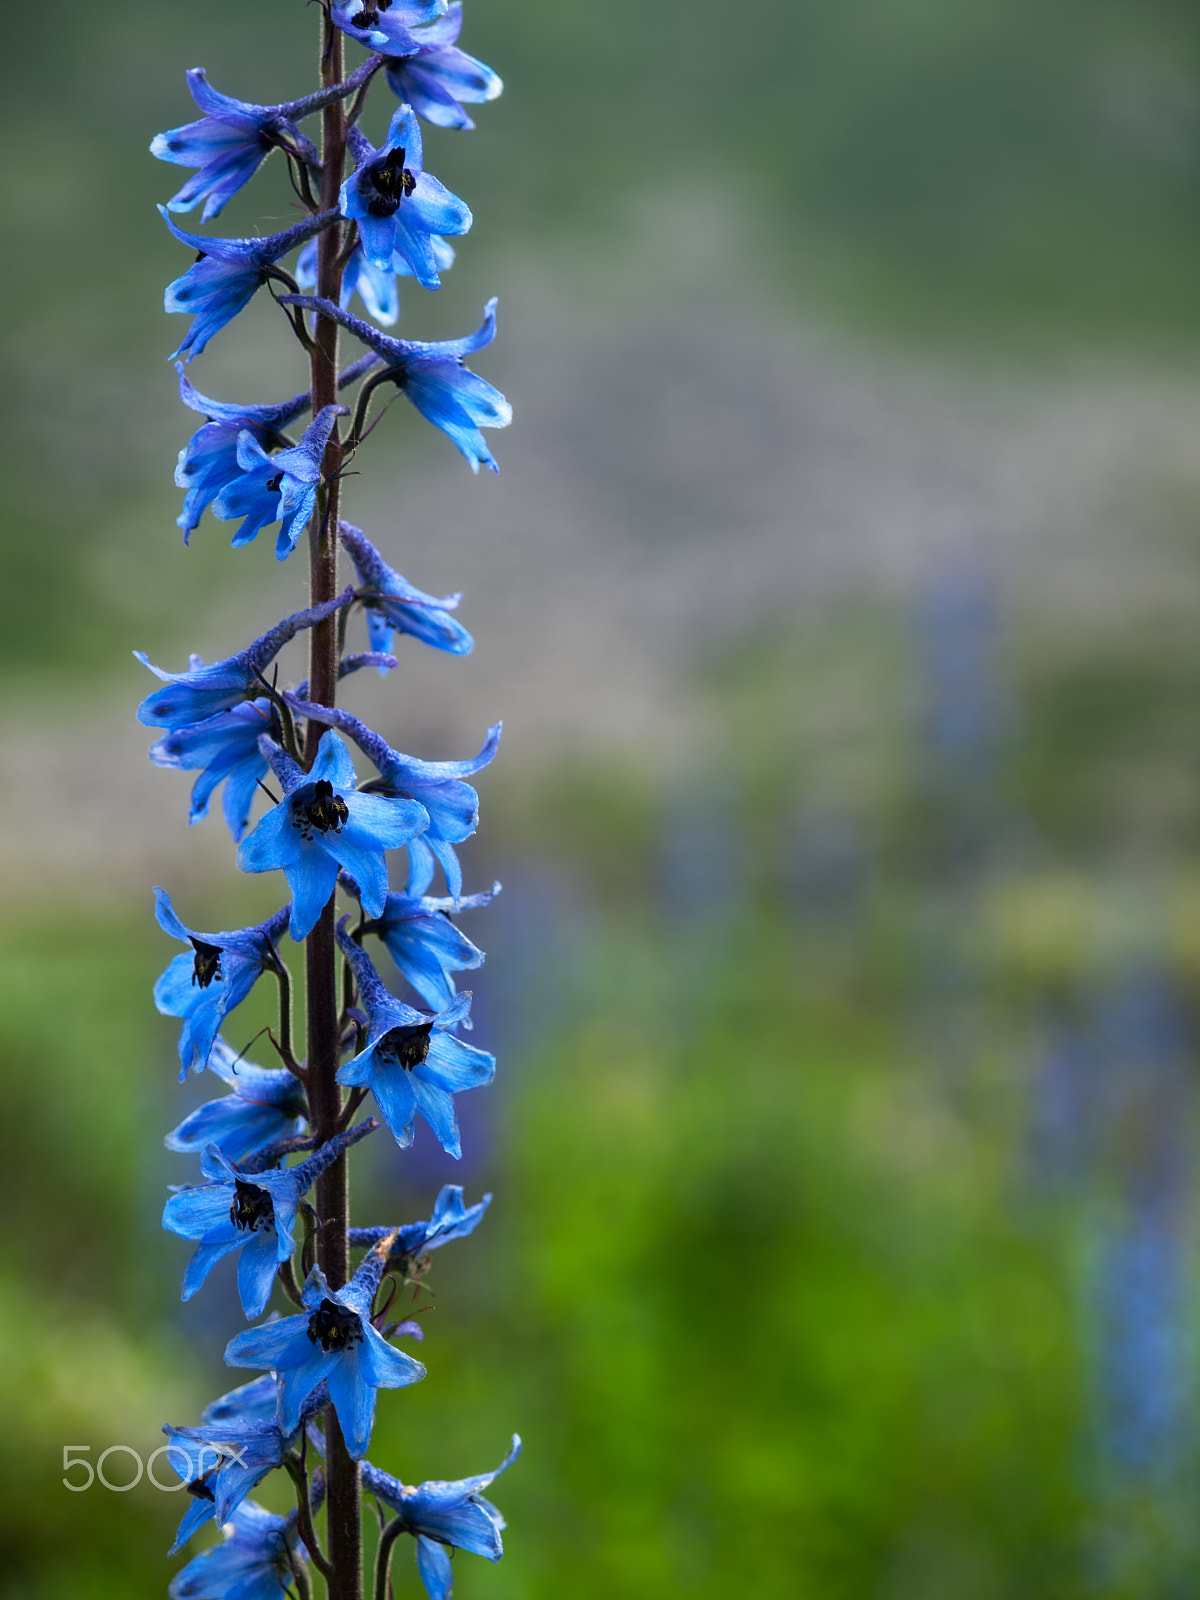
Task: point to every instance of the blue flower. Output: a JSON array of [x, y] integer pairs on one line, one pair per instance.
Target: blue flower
[[452, 805], [386, 28], [321, 825], [433, 377], [393, 605], [280, 488], [412, 1061], [227, 274], [440, 78], [203, 691], [451, 1219], [375, 286], [441, 1515], [398, 206], [209, 459], [232, 1451], [425, 944], [203, 986], [254, 1213], [266, 1107], [332, 1341], [254, 1563], [225, 748]]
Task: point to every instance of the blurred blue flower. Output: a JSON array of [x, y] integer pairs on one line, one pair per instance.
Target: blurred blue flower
[[277, 488], [433, 377], [227, 274], [225, 749], [203, 987], [395, 606], [451, 1219], [387, 28], [332, 1341], [202, 691], [442, 1515], [321, 825], [451, 804], [254, 1213], [412, 1062], [254, 1563], [441, 78], [267, 1105], [398, 206]]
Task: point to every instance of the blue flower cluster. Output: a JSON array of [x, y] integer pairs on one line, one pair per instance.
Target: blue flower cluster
[[310, 793]]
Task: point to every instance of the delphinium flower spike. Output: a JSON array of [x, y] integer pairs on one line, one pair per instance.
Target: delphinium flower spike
[[367, 215]]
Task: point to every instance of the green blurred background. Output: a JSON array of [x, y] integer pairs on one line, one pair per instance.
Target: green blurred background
[[838, 590]]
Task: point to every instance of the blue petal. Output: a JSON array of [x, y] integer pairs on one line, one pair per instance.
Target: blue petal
[[256, 1272], [312, 881], [434, 1565]]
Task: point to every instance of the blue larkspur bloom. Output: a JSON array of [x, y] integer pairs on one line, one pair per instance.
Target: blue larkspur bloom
[[433, 377], [205, 984], [444, 1515], [322, 824], [398, 206], [237, 1443], [393, 605], [413, 1061], [277, 488], [375, 286], [332, 1341], [202, 691], [267, 1106], [209, 459], [387, 28], [451, 1219], [254, 1563], [251, 1212], [227, 275], [452, 805], [425, 944], [224, 749], [440, 79]]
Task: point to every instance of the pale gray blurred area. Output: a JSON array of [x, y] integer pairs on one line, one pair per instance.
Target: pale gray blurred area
[[684, 468]]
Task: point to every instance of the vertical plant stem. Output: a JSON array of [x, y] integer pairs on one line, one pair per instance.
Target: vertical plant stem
[[325, 1098]]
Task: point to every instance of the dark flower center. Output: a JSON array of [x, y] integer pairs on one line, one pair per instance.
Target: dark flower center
[[316, 806], [368, 19], [273, 483], [407, 1047], [333, 1327], [251, 1208], [207, 964], [392, 182], [198, 1488]]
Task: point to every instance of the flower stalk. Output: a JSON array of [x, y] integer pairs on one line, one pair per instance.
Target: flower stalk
[[374, 214]]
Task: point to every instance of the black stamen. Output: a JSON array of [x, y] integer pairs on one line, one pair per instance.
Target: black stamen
[[251, 1208], [366, 19], [407, 1047], [207, 965], [317, 806], [333, 1327], [273, 483], [392, 182]]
